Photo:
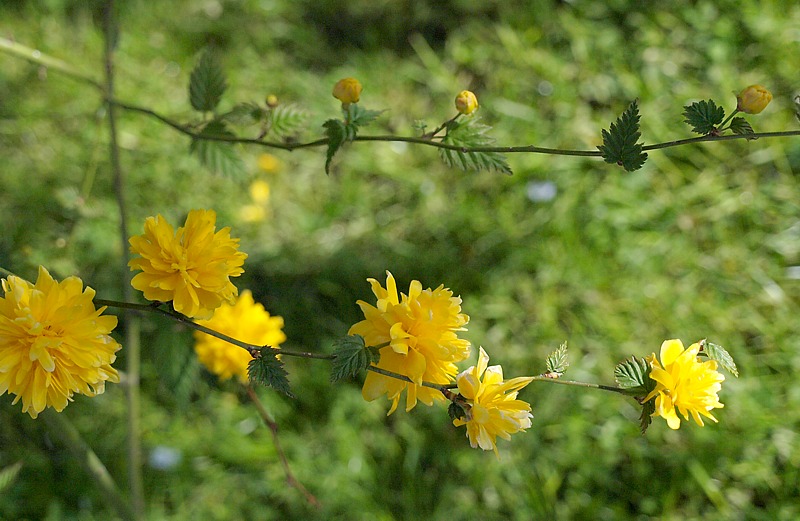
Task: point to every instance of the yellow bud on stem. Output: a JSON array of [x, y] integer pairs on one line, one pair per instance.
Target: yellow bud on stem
[[347, 90], [466, 102], [753, 99]]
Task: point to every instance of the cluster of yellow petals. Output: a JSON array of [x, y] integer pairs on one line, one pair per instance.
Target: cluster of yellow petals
[[685, 383], [53, 342], [246, 320], [420, 329], [190, 267], [494, 409]]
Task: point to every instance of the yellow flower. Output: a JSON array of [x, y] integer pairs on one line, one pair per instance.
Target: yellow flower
[[685, 383], [247, 321], [466, 102], [259, 191], [53, 342], [753, 99], [252, 213], [191, 267], [347, 90], [494, 409], [271, 101], [421, 330], [269, 163]]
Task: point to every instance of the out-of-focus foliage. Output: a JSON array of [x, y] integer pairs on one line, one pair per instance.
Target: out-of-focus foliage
[[703, 241]]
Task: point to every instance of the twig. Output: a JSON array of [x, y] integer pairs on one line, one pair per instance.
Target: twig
[[273, 428], [132, 322]]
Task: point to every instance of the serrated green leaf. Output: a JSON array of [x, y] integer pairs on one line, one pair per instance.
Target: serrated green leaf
[[703, 116], [217, 156], [336, 133], [9, 474], [352, 357], [620, 142], [721, 355], [266, 369], [360, 117], [557, 361], [632, 374], [468, 133], [646, 418], [206, 83], [244, 114], [286, 120], [741, 127]]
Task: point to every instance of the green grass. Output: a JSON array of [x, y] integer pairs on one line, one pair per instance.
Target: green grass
[[695, 244]]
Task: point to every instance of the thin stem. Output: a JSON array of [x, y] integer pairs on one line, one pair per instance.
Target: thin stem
[[722, 126], [588, 385], [404, 378], [37, 57], [61, 428], [443, 388], [183, 319], [531, 149], [132, 322], [273, 428]]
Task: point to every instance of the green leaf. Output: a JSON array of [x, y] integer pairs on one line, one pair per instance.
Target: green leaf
[[266, 369], [217, 156], [286, 120], [703, 116], [723, 358], [634, 375], [352, 357], [336, 132], [646, 418], [620, 143], [469, 132], [9, 474], [244, 114], [339, 132], [741, 127], [557, 361], [359, 116], [206, 83]]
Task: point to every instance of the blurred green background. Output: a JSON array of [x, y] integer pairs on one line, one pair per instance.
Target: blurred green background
[[704, 241]]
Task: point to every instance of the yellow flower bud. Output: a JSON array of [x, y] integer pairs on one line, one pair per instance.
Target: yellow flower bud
[[466, 102], [272, 101], [347, 90], [753, 99]]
